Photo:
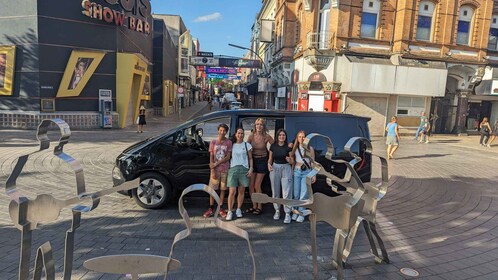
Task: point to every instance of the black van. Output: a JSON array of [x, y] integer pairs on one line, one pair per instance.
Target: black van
[[179, 158]]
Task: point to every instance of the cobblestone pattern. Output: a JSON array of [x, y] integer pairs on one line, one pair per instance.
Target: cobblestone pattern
[[438, 217]]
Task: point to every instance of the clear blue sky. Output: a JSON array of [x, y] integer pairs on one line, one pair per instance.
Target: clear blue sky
[[215, 22]]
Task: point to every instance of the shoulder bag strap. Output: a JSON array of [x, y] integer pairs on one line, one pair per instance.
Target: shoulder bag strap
[[247, 153], [304, 160]]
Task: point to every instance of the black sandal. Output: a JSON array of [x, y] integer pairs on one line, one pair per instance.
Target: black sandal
[[250, 210], [258, 211]]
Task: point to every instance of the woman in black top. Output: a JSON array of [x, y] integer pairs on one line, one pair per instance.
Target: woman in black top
[[141, 119], [281, 177]]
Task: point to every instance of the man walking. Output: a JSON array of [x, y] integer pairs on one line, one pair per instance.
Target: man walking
[[421, 125]]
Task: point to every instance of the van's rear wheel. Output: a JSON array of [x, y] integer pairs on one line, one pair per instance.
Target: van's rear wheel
[[154, 191]]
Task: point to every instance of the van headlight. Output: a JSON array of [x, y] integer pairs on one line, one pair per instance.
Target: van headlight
[[116, 174]]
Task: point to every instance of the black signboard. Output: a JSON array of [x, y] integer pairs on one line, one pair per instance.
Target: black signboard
[[205, 54], [239, 63]]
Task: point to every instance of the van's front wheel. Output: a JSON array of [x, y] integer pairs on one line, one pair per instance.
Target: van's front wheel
[[153, 192]]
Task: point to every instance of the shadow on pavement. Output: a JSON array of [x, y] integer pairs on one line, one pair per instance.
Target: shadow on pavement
[[423, 156]]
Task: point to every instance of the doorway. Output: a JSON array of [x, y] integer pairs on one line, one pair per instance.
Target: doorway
[[132, 106]]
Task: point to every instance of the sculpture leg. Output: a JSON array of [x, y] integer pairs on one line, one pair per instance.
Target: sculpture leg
[[373, 246], [44, 260], [349, 241], [385, 257], [313, 245], [25, 254], [69, 246], [339, 243]]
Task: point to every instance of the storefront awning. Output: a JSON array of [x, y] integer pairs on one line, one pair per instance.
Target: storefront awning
[[380, 75]]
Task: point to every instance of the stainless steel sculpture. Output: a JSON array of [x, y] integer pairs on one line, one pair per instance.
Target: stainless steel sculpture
[[26, 213], [373, 194], [142, 264], [341, 212]]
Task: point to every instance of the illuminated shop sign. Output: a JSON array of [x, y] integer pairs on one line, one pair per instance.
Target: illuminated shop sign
[[218, 70], [130, 13]]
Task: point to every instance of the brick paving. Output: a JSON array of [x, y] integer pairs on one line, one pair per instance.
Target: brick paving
[[438, 217]]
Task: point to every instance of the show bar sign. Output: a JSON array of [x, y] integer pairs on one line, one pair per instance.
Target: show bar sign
[[132, 13], [239, 63]]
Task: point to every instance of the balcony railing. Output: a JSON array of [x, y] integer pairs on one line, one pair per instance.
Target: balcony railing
[[319, 40]]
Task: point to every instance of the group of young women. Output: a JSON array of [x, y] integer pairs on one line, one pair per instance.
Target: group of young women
[[251, 161]]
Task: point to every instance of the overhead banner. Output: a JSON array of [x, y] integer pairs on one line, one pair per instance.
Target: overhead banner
[[239, 63], [203, 61], [219, 70]]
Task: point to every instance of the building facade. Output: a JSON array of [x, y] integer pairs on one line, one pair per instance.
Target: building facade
[[93, 63], [382, 58]]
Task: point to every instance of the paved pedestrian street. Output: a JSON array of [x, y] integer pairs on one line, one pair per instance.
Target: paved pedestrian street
[[439, 216]]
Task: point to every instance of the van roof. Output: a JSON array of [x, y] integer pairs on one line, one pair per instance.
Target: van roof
[[270, 113]]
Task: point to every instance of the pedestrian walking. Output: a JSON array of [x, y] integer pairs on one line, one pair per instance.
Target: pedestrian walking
[[421, 125], [220, 151], [494, 134], [424, 133], [301, 168], [259, 139], [239, 173], [141, 119], [393, 138], [485, 132], [280, 166]]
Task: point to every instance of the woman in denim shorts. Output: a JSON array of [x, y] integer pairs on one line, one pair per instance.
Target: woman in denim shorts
[[239, 173]]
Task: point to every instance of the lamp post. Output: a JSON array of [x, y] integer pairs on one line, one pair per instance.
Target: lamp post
[[267, 73]]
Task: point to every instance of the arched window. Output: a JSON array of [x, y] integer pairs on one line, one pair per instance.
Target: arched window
[[323, 23], [493, 34], [464, 25], [369, 18], [424, 22]]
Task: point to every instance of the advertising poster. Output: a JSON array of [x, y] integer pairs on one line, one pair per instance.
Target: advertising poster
[[7, 61], [79, 69]]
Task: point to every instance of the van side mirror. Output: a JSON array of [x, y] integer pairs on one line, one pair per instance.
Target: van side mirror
[[199, 132]]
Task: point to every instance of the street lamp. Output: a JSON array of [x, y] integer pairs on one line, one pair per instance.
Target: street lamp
[[267, 72]]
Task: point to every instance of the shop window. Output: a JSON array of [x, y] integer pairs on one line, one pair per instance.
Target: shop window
[[424, 22], [410, 105], [464, 25], [493, 34], [369, 18]]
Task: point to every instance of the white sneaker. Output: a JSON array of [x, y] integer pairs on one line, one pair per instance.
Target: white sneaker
[[487, 145], [300, 219], [229, 216], [238, 213], [427, 142], [294, 217], [287, 219], [277, 215]]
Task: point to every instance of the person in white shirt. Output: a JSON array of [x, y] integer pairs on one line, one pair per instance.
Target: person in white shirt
[[239, 173]]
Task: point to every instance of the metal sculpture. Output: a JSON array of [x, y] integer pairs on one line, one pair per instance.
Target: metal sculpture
[[26, 214], [368, 215], [342, 212], [136, 264]]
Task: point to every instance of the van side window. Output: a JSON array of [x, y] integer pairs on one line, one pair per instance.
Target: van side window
[[272, 124]]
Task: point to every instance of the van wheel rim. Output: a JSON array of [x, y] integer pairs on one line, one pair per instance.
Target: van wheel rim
[[151, 192]]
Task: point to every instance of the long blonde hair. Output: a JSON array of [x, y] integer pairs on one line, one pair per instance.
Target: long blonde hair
[[265, 129], [296, 142]]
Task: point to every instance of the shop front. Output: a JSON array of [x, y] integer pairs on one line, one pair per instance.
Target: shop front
[[68, 53]]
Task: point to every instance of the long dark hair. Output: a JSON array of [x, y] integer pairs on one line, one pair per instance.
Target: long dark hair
[[278, 133]]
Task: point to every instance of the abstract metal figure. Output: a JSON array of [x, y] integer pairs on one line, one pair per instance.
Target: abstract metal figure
[[138, 264], [367, 217], [26, 214], [342, 212]]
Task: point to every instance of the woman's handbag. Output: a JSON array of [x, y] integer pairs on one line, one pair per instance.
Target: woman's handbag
[[138, 120]]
